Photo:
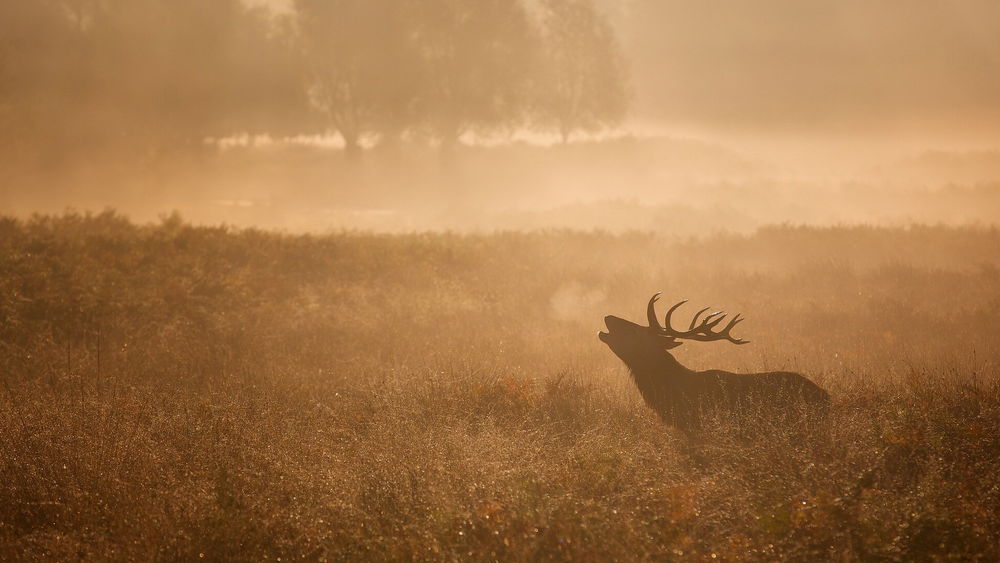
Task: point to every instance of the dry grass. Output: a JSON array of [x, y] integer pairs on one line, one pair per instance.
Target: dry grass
[[171, 391]]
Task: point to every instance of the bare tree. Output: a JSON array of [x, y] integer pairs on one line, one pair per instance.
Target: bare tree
[[682, 396]]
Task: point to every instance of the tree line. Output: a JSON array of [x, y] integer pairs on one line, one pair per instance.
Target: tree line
[[156, 76]]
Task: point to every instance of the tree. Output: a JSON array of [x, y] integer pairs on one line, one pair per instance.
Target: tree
[[362, 65], [40, 56], [582, 83], [476, 65], [174, 72], [140, 77]]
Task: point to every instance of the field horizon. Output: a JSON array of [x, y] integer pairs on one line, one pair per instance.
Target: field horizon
[[683, 186]]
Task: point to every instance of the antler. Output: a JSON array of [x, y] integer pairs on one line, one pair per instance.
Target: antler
[[701, 332]]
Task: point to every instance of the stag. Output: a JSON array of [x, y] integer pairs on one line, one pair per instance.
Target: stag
[[682, 397]]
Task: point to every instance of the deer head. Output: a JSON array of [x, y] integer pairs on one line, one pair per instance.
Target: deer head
[[638, 345]]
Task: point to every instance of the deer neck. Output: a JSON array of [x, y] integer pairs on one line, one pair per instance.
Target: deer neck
[[661, 370], [672, 367], [661, 383]]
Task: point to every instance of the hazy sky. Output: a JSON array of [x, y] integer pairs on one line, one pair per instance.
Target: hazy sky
[[878, 67], [927, 69]]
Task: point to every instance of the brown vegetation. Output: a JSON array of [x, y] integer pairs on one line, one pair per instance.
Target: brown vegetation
[[171, 391]]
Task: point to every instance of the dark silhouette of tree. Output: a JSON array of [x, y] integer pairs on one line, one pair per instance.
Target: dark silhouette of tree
[[184, 70], [435, 67], [142, 76], [148, 78], [40, 60], [582, 83], [476, 65], [362, 65]]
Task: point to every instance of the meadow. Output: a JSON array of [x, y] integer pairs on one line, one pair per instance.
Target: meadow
[[173, 392]]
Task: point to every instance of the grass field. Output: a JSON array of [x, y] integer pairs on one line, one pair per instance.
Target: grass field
[[174, 392]]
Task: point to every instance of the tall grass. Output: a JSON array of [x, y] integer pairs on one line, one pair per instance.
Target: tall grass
[[172, 392]]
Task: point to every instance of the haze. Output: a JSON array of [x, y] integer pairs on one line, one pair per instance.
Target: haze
[[741, 114], [377, 280]]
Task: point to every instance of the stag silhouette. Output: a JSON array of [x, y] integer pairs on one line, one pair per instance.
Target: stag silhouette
[[683, 397]]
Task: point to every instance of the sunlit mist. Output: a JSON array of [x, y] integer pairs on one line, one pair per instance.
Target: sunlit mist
[[499, 280], [401, 116]]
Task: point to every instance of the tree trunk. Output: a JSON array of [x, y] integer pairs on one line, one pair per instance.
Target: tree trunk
[[352, 145]]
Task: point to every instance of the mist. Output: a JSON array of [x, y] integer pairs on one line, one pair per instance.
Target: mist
[[377, 280], [685, 117]]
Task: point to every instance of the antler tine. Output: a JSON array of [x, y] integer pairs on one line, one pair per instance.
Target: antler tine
[[667, 326], [694, 321], [651, 312], [711, 320], [705, 327], [725, 332]]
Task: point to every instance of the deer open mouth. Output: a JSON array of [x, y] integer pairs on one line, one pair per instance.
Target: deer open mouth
[[603, 335]]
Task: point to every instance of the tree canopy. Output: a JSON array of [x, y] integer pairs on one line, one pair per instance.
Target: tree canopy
[[153, 76], [582, 75]]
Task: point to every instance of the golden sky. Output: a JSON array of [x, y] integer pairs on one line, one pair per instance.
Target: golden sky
[[928, 69], [886, 67]]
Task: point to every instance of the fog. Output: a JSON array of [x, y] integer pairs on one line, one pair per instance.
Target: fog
[[906, 70], [679, 116], [375, 280]]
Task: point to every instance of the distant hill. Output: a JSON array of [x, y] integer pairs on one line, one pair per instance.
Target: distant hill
[[936, 167]]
